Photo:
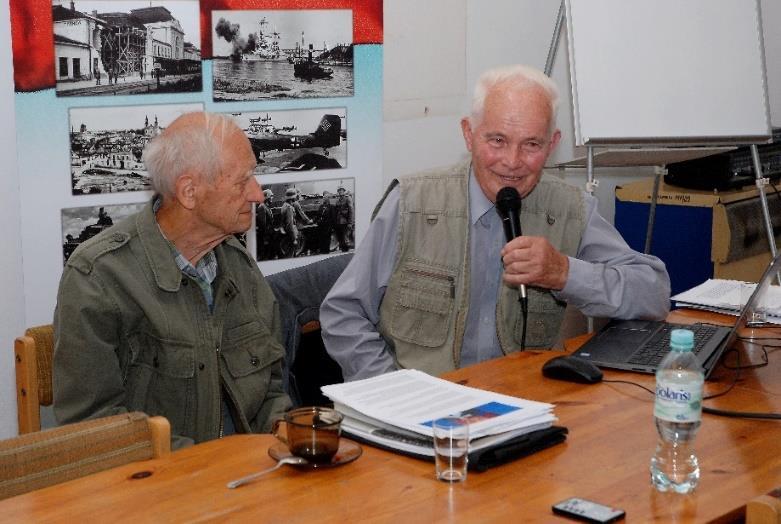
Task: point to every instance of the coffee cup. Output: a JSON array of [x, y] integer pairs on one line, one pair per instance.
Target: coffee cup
[[311, 433]]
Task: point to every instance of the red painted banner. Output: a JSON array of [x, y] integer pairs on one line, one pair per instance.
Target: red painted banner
[[33, 40]]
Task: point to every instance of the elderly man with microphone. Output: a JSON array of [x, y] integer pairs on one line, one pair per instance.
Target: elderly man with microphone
[[435, 284]]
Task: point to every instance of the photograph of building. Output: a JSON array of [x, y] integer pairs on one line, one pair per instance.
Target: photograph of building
[[282, 54], [105, 47], [107, 143], [296, 140]]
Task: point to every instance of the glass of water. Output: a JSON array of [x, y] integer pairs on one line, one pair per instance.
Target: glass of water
[[451, 448]]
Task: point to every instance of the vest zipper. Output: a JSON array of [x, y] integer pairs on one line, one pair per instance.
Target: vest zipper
[[429, 274]]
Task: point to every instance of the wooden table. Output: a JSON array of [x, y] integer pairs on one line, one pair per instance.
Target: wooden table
[[605, 458]]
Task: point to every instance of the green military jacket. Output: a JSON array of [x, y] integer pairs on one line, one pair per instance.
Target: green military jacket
[[134, 333], [423, 313]]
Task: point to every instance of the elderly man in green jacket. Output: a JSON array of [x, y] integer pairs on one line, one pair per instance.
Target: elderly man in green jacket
[[166, 312]]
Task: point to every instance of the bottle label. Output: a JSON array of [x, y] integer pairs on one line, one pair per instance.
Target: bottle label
[[676, 402]]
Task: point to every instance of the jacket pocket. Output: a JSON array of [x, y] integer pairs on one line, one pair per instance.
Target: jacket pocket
[[421, 314], [160, 379], [250, 355]]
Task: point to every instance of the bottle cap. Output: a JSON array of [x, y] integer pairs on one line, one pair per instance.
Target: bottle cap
[[682, 339]]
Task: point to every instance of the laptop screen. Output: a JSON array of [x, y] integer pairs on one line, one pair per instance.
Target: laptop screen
[[758, 304]]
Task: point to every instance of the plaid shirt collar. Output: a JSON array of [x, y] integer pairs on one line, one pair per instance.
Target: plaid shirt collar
[[203, 272]]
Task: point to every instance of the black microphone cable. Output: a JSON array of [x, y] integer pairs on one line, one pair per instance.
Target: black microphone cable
[[508, 205]]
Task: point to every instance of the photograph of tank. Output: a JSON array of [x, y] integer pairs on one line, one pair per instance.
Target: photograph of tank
[[296, 140], [306, 218], [301, 53], [82, 223], [107, 143], [125, 47]]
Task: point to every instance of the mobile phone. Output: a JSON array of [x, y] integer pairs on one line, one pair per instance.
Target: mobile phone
[[587, 510]]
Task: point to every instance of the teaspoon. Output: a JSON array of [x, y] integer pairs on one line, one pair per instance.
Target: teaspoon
[[287, 460]]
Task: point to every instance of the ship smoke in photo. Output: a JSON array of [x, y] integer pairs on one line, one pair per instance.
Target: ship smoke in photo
[[263, 54]]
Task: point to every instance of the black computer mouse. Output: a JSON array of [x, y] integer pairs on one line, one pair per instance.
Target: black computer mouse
[[573, 369]]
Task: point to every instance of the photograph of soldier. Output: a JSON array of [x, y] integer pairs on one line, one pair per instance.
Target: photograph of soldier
[[345, 220], [264, 225], [107, 142], [303, 219], [118, 39], [82, 223], [326, 219], [296, 140], [293, 217]]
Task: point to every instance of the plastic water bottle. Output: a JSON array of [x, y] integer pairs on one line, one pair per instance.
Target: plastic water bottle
[[677, 412]]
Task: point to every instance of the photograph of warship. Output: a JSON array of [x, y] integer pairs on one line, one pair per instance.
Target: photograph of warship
[[261, 54], [262, 46]]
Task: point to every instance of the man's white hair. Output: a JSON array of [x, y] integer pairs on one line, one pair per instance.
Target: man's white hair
[[193, 143], [514, 76]]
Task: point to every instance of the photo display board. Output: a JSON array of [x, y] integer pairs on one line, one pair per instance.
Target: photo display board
[[97, 80]]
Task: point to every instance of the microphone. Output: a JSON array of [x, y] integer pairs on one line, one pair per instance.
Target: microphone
[[508, 205]]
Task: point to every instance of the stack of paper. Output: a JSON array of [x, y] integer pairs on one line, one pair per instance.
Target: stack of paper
[[398, 408], [726, 297]]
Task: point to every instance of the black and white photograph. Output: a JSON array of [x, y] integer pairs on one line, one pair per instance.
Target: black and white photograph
[[296, 140], [126, 47], [107, 143], [273, 54], [302, 219], [82, 223]]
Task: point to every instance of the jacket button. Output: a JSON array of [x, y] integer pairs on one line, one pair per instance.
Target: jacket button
[[201, 366], [184, 281], [254, 361], [155, 362]]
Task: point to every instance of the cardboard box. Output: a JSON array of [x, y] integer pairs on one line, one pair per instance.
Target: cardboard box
[[699, 234]]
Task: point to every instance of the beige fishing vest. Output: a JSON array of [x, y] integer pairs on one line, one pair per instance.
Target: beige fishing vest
[[423, 313]]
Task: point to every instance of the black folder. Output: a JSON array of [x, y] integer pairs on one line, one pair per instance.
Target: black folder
[[483, 459]]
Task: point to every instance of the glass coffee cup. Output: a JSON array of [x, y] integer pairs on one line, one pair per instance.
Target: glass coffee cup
[[311, 433]]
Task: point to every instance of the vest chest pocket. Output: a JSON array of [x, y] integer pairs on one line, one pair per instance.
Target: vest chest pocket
[[421, 314]]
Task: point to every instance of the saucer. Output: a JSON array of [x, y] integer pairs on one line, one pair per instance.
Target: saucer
[[348, 451]]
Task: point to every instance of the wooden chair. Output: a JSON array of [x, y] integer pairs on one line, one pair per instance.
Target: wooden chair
[[33, 358], [43, 458], [765, 509]]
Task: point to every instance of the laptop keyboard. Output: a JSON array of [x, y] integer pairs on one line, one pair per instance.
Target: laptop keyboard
[[652, 352]]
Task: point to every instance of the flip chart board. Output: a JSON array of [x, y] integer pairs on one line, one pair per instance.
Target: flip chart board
[[667, 72]]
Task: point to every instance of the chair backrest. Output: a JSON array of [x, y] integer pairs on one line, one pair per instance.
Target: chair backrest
[[33, 360], [765, 509], [299, 292], [52, 456]]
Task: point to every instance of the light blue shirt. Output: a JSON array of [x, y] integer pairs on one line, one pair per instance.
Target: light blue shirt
[[606, 279], [486, 240]]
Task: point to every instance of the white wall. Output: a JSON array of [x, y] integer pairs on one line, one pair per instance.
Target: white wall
[[11, 284], [426, 94]]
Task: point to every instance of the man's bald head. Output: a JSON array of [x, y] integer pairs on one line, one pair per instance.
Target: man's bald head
[[192, 144]]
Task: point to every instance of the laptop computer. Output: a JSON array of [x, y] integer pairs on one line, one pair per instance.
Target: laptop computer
[[640, 345]]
